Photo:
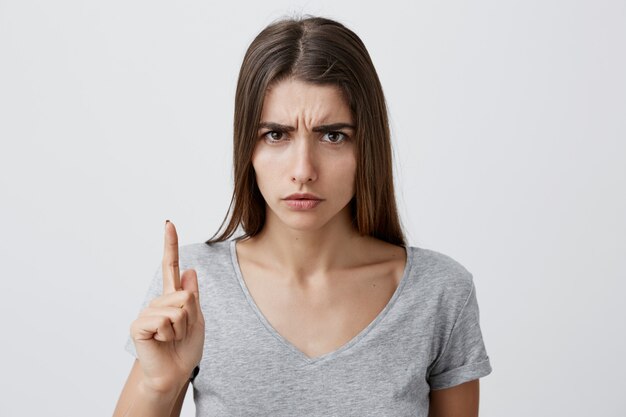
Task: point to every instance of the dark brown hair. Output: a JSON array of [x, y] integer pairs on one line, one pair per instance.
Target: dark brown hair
[[320, 51]]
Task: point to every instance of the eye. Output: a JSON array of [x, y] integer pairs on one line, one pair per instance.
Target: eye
[[336, 137], [272, 136]]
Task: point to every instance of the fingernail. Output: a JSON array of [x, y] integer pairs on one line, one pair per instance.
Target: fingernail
[[166, 222]]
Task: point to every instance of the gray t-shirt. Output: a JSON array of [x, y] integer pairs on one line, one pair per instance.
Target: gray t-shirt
[[427, 337]]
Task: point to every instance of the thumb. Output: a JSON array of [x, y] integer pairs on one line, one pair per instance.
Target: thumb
[[189, 281]]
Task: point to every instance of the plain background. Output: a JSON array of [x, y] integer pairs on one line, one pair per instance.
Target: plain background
[[509, 129]]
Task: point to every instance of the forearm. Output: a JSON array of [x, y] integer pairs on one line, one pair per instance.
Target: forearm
[[148, 403]]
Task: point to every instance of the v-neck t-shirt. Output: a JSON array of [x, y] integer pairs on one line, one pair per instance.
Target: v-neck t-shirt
[[427, 337]]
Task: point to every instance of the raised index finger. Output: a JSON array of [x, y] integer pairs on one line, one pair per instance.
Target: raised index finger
[[171, 273]]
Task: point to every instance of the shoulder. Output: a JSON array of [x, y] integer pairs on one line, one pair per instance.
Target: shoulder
[[440, 265], [194, 255], [442, 277]]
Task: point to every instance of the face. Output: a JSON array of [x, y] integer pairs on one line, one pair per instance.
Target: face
[[305, 145]]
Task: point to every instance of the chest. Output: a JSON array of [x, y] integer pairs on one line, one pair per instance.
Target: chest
[[319, 318], [247, 370]]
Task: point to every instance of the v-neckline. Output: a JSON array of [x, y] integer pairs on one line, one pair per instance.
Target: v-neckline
[[307, 359]]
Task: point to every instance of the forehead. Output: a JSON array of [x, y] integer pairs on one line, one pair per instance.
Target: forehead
[[291, 99]]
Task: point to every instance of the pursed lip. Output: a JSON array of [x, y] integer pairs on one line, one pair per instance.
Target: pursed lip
[[302, 196]]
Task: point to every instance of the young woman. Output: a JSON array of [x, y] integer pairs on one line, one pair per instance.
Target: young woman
[[319, 308]]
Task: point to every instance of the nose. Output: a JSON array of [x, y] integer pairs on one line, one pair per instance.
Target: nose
[[304, 168]]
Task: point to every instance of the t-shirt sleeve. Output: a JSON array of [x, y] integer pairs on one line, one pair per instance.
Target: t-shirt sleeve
[[464, 357], [155, 289]]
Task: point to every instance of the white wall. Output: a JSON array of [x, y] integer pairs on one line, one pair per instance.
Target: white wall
[[509, 131]]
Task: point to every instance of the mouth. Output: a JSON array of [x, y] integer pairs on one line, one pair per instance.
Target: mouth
[[302, 203], [303, 196]]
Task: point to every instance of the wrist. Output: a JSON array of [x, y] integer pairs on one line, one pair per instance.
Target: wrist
[[165, 394]]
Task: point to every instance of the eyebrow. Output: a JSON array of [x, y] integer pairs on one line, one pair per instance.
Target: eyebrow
[[321, 128]]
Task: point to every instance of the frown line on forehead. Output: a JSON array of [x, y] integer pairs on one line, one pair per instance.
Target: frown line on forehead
[[321, 128]]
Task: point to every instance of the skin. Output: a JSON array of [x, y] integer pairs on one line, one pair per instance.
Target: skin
[[312, 266], [305, 266], [169, 337], [459, 401], [313, 241]]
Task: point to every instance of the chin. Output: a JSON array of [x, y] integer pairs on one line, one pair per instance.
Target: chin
[[304, 226], [302, 222]]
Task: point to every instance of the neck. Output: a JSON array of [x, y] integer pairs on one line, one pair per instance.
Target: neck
[[305, 254]]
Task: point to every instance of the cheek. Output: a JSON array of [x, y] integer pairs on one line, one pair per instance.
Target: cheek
[[262, 162], [258, 163], [263, 171], [345, 172], [350, 165]]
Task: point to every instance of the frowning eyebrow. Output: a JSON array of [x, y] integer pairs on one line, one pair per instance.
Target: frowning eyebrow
[[321, 128]]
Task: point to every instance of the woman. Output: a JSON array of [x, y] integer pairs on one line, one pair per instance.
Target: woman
[[319, 307]]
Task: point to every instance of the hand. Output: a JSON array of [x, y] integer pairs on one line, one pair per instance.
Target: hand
[[169, 333]]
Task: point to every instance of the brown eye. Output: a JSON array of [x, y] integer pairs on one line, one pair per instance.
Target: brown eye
[[336, 137], [273, 136]]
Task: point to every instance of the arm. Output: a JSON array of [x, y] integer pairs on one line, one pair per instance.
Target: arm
[[458, 401], [168, 337], [178, 406], [135, 400]]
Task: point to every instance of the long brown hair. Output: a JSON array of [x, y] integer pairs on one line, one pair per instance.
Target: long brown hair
[[320, 51]]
